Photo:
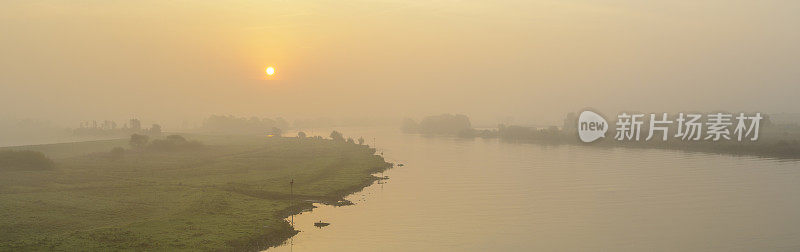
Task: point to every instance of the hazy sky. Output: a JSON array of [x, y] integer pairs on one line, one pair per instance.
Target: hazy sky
[[167, 61]]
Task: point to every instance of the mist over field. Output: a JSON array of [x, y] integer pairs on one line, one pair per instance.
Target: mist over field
[[521, 62], [388, 125]]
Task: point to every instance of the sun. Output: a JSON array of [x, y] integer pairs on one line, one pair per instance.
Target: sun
[[270, 70]]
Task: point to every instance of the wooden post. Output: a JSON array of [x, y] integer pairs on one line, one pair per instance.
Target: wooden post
[[291, 198]]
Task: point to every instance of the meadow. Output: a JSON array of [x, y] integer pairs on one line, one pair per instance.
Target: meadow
[[231, 194]]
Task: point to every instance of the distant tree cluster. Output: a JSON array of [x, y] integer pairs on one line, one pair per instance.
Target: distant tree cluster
[[138, 141], [11, 160], [444, 124], [109, 128], [174, 142], [275, 131], [337, 136], [232, 124], [170, 143]]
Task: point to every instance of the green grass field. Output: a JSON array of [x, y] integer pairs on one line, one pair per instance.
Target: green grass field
[[233, 194]]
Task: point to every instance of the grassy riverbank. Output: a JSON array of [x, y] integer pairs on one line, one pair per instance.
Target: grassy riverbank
[[232, 194]]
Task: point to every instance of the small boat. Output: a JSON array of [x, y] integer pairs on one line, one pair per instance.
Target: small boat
[[321, 224]]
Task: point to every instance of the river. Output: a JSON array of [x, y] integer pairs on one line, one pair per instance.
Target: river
[[485, 195]]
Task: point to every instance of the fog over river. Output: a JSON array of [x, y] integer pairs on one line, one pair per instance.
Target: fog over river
[[486, 195]]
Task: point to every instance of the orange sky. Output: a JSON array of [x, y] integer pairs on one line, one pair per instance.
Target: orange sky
[[528, 60]]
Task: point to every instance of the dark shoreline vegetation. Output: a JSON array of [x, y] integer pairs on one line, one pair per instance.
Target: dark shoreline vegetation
[[24, 160], [775, 140], [197, 192]]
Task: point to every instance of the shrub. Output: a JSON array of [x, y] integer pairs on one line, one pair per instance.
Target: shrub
[[138, 141], [24, 160], [174, 142]]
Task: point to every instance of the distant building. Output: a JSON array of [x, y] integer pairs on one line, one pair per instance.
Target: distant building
[[135, 124]]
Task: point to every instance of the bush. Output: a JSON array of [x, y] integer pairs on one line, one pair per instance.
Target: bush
[[24, 160], [174, 142]]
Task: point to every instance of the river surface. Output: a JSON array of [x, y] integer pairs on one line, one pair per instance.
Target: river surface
[[484, 195]]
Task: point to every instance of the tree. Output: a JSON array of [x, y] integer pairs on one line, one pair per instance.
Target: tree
[[350, 140], [173, 143], [155, 130], [335, 135], [138, 141], [301, 134], [232, 124], [361, 141], [276, 131]]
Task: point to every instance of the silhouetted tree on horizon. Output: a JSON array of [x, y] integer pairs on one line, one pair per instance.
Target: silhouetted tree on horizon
[[277, 131], [155, 130], [337, 136]]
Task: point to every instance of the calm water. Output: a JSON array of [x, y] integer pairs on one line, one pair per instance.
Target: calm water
[[483, 195]]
